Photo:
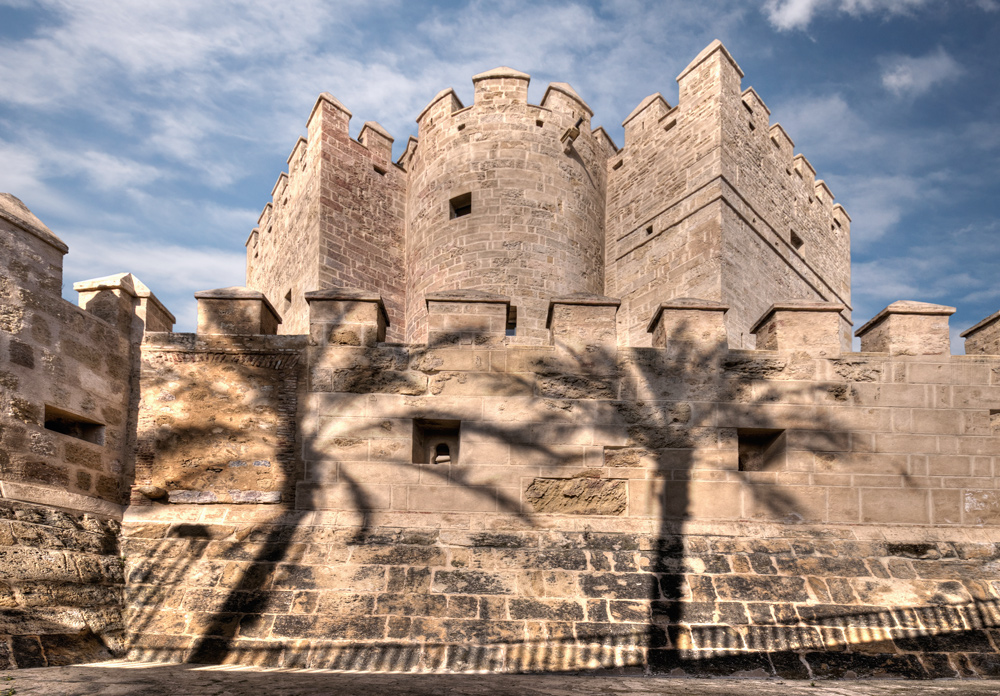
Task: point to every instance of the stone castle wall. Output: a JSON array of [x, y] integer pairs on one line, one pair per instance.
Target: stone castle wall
[[535, 226], [623, 484], [335, 220], [798, 511], [706, 199], [703, 200], [68, 382]]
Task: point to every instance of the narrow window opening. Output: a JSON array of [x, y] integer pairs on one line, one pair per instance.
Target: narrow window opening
[[539, 122], [618, 165], [435, 441], [747, 107], [995, 422], [752, 126], [460, 206], [761, 449], [511, 328], [670, 124], [461, 126], [66, 423], [796, 241], [379, 170], [649, 230], [288, 296]]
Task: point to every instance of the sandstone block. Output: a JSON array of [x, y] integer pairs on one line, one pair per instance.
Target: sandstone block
[[688, 320], [908, 328], [236, 310], [811, 327], [578, 496]]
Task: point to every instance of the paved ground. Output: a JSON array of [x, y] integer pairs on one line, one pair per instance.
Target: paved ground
[[132, 679]]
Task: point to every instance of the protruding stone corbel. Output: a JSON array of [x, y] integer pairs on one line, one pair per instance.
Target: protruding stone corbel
[[800, 325], [908, 328], [236, 311]]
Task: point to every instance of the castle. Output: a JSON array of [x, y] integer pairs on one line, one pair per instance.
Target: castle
[[518, 401]]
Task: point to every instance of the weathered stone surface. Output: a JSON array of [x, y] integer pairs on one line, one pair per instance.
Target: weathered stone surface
[[578, 496]]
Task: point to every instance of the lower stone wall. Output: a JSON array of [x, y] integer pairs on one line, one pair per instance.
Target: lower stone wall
[[313, 590], [60, 587]]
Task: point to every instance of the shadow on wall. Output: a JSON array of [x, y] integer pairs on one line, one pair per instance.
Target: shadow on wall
[[617, 564]]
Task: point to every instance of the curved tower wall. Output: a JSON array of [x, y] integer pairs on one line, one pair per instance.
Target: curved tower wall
[[536, 226]]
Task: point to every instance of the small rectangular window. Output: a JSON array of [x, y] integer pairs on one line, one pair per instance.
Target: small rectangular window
[[796, 241], [60, 421], [379, 170], [460, 206], [761, 449], [435, 442]]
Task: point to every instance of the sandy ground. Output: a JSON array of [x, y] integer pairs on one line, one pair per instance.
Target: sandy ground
[[141, 679]]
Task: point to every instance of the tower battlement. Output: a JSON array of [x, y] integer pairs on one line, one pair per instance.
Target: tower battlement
[[705, 199], [544, 404]]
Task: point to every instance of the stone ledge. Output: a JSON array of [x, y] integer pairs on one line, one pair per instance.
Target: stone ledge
[[804, 306], [53, 497]]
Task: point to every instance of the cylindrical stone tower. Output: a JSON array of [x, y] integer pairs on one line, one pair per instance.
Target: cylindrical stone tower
[[508, 198]]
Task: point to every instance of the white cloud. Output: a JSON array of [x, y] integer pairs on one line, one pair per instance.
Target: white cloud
[[915, 75], [172, 271], [797, 14]]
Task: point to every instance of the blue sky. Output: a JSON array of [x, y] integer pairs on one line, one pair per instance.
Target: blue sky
[[148, 135]]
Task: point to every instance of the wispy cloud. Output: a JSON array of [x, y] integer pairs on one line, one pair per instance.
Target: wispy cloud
[[912, 76], [174, 272], [797, 14]]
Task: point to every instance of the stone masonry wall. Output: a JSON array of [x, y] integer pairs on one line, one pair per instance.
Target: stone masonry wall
[[282, 250], [56, 355], [335, 220], [61, 587], [703, 200], [537, 212], [689, 507], [219, 417]]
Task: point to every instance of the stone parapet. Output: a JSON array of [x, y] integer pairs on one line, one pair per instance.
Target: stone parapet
[[688, 320], [467, 317], [132, 298], [346, 317], [908, 328], [812, 327], [583, 322], [236, 310], [984, 337]]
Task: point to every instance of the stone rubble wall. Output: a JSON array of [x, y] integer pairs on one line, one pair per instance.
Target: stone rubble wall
[[306, 590], [61, 585]]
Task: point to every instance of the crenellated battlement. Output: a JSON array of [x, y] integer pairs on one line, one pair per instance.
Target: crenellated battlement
[[542, 404], [705, 198]]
